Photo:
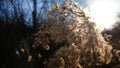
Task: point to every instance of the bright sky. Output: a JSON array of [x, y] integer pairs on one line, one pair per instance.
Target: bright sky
[[104, 12]]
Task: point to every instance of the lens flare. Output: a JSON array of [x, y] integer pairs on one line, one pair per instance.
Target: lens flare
[[104, 12]]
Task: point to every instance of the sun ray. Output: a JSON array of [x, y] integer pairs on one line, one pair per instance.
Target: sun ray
[[104, 12]]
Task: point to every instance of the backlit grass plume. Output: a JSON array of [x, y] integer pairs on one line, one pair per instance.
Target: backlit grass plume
[[69, 40]]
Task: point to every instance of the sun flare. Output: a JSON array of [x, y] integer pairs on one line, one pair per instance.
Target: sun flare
[[103, 12]]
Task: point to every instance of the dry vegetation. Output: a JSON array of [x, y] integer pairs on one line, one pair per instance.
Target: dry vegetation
[[70, 40]]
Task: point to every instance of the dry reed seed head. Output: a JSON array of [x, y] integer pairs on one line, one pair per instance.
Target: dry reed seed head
[[39, 55], [93, 24], [22, 50], [29, 58], [65, 12], [62, 63], [65, 6], [36, 38], [73, 44], [118, 41], [117, 52], [33, 46], [78, 66], [59, 62], [45, 62], [36, 43], [102, 59], [46, 47], [109, 37], [109, 60], [56, 6]]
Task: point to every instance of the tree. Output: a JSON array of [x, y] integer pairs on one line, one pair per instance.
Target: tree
[[34, 13]]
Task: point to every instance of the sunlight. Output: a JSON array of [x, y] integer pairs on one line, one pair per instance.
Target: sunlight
[[104, 12]]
